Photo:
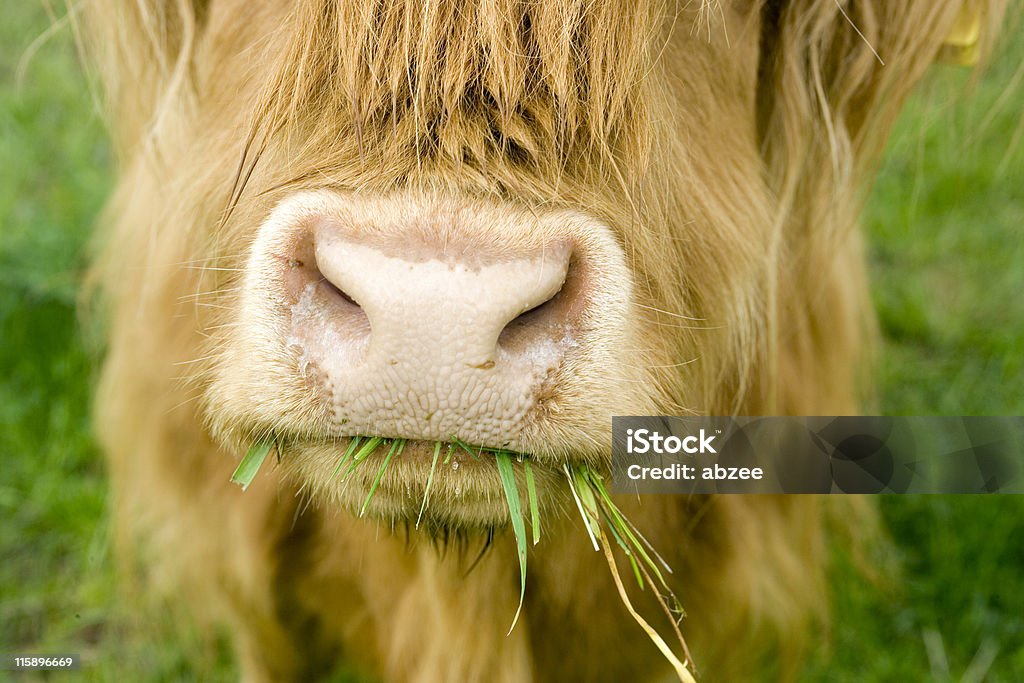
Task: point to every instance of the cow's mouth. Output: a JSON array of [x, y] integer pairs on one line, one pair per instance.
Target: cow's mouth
[[431, 483]]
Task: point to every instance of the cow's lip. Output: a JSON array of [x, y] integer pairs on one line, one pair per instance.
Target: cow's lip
[[285, 437], [465, 490], [422, 450]]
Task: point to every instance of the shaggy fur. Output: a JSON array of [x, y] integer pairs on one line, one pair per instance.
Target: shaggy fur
[[728, 145]]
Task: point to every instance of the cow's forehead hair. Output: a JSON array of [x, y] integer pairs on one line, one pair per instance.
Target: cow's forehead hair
[[561, 86], [456, 57]]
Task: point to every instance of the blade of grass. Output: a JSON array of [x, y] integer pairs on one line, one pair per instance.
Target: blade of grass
[[579, 504], [626, 532], [636, 572], [430, 480], [599, 483], [610, 523], [594, 502], [396, 445], [531, 494], [515, 513], [369, 447], [250, 465], [466, 447], [615, 534], [593, 482], [647, 543], [681, 670], [353, 443], [674, 620], [586, 493]]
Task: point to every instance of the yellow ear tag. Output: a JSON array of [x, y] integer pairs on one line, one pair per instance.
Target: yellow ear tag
[[961, 45]]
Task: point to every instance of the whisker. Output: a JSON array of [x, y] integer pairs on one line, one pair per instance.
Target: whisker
[[211, 259], [671, 365], [197, 360], [217, 268], [669, 313], [210, 292], [182, 404]]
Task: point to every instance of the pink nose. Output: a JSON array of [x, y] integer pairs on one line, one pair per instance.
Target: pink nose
[[429, 334]]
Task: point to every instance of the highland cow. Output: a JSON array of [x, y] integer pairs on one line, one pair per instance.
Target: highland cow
[[493, 221]]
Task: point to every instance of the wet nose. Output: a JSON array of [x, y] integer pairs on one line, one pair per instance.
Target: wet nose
[[458, 313], [421, 338]]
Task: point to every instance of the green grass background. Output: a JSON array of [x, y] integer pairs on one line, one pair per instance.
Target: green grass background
[[945, 221]]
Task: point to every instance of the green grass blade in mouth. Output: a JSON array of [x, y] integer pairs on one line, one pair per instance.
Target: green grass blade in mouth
[[598, 482], [364, 451], [353, 444], [615, 534], [595, 504], [430, 480], [466, 447], [369, 447], [396, 449], [579, 504], [625, 529], [610, 524], [531, 494], [515, 513], [250, 465]]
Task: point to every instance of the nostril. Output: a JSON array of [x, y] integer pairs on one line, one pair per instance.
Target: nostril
[[337, 292], [540, 310], [331, 286], [549, 320], [321, 308]]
